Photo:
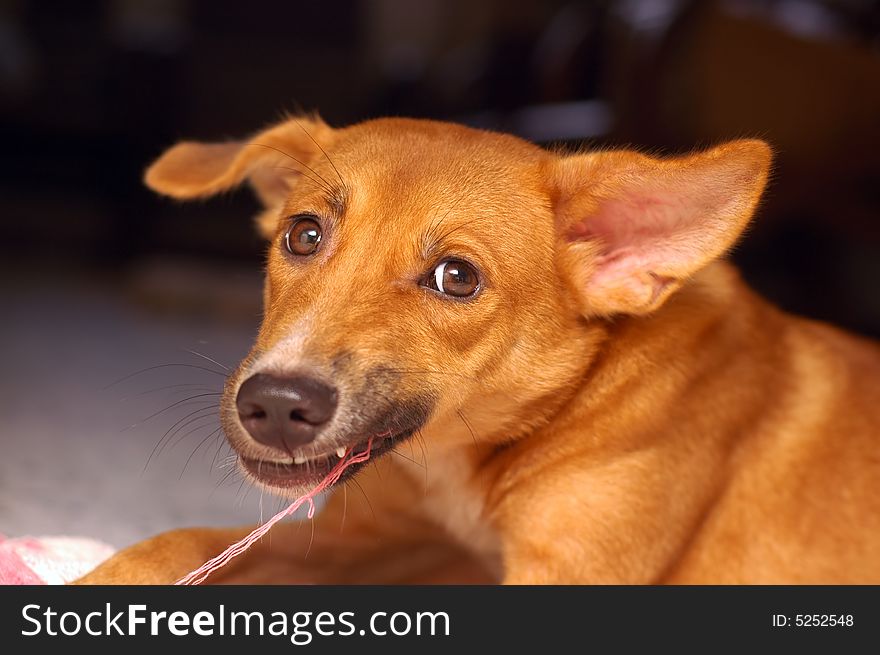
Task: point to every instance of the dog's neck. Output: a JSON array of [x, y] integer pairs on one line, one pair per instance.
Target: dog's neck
[[659, 384], [651, 368]]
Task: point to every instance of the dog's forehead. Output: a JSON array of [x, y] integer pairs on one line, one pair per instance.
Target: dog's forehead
[[419, 168], [408, 151]]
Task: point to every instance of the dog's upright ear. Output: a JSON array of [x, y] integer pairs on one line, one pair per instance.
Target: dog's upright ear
[[271, 161], [632, 228]]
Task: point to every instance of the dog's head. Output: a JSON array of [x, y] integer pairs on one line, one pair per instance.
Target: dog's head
[[427, 277]]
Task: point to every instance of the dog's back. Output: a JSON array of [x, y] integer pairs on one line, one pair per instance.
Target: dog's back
[[800, 496]]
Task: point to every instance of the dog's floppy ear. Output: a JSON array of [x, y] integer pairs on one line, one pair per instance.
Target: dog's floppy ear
[[271, 161], [632, 228]]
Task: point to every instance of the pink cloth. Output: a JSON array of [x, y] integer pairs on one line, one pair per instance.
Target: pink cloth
[[49, 560]]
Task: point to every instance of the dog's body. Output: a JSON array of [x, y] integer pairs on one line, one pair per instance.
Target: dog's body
[[608, 404]]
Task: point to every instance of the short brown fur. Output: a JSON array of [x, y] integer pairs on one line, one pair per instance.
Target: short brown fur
[[614, 406]]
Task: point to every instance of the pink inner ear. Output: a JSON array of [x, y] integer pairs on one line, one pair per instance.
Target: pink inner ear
[[640, 234], [634, 222], [641, 237]]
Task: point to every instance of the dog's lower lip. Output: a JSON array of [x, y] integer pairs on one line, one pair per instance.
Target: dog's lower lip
[[310, 473], [286, 475]]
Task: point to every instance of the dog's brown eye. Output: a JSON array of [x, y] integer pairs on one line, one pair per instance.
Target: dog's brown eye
[[303, 236], [454, 278]]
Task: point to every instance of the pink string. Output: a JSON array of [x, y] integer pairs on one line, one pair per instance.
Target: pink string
[[200, 574]]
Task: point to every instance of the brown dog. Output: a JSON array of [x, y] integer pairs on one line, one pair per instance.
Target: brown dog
[[562, 383]]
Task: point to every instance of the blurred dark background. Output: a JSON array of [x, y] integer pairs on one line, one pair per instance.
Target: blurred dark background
[[90, 92]]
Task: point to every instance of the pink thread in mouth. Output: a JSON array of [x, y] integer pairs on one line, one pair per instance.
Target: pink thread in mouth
[[200, 574]]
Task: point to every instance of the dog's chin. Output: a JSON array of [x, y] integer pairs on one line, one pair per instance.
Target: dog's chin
[[291, 480]]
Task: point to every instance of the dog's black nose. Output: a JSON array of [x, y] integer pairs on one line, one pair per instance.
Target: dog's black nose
[[285, 412]]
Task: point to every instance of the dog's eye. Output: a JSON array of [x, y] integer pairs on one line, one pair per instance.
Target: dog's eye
[[454, 277], [303, 236]]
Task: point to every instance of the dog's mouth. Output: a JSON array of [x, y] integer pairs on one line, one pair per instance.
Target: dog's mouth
[[291, 471], [302, 471]]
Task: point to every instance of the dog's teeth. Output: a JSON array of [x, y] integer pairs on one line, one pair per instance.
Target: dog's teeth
[[340, 452], [299, 459]]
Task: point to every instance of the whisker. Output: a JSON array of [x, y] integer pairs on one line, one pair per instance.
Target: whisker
[[364, 494], [229, 461], [431, 237], [304, 174], [192, 431], [157, 448], [220, 443], [420, 439], [344, 507], [311, 538], [210, 359], [201, 443], [247, 492], [158, 366], [191, 386], [409, 459], [327, 185], [223, 480], [467, 425], [456, 228], [323, 152], [438, 220], [170, 407], [239, 501]]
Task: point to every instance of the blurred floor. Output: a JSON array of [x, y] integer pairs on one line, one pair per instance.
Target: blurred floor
[[68, 464]]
